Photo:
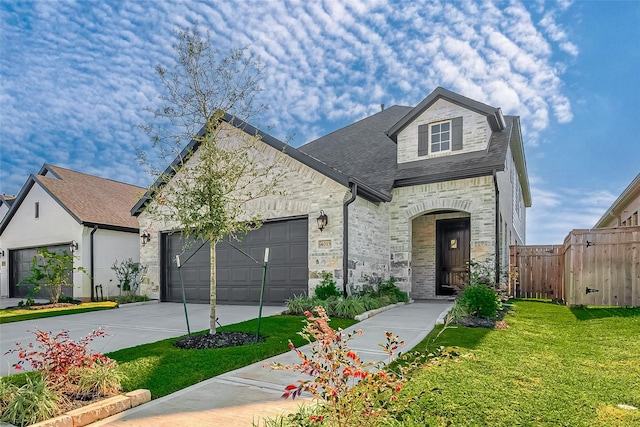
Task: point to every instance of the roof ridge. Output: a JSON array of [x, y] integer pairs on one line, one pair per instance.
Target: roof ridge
[[47, 165]]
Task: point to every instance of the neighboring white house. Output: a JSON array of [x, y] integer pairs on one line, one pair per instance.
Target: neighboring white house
[[5, 204], [624, 211], [59, 207], [414, 193]]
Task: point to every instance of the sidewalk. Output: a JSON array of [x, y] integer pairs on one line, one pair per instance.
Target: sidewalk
[[252, 393]]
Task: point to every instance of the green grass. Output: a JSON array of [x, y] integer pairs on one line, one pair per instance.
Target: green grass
[[9, 315], [163, 369], [552, 366]]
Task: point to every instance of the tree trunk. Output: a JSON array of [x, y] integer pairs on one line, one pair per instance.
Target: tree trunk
[[212, 289]]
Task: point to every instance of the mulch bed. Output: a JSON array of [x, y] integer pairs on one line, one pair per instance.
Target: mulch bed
[[218, 340], [480, 322], [46, 306]]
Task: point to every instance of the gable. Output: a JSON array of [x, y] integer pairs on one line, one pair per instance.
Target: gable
[[466, 129], [325, 168], [51, 220], [88, 199]]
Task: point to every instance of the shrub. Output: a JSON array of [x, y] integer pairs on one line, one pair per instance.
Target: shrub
[[370, 303], [35, 401], [102, 379], [57, 354], [349, 391], [327, 288], [349, 308], [457, 312], [51, 271], [480, 300], [129, 275]]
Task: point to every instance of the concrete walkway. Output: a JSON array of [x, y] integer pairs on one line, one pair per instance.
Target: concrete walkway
[[252, 393], [127, 326]]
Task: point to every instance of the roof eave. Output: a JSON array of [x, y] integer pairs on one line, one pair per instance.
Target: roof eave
[[315, 164], [493, 114], [632, 191]]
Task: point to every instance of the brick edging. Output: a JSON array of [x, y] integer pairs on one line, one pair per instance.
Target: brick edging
[[99, 410]]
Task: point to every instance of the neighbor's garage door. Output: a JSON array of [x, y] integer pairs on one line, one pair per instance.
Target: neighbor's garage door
[[19, 265], [239, 277]]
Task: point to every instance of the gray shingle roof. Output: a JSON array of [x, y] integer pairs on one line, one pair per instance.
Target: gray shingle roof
[[362, 150], [465, 165]]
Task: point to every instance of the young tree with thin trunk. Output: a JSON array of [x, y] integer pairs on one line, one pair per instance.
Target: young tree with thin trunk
[[216, 168]]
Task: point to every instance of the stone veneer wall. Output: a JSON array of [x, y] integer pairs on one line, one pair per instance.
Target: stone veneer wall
[[475, 196], [475, 130], [368, 241], [306, 192], [423, 254]]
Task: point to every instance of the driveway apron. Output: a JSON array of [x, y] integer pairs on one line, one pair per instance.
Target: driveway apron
[[127, 326]]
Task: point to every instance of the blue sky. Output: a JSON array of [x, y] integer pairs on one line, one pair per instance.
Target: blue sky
[[76, 77]]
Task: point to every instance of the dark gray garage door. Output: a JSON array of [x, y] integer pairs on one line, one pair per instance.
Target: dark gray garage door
[[238, 277], [19, 265]]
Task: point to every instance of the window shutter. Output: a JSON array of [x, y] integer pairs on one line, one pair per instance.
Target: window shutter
[[423, 140], [456, 134]]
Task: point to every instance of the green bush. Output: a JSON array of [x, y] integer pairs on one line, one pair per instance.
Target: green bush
[[103, 379], [458, 311], [349, 308], [35, 401], [370, 303], [299, 304], [327, 288], [480, 300]]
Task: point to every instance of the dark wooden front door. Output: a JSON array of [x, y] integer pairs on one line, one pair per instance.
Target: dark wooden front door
[[452, 254]]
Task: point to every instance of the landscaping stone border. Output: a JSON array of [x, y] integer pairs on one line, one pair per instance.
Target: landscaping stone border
[[371, 313], [137, 304], [97, 411]]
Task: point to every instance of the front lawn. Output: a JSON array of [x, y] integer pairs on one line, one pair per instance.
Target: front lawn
[[9, 315], [552, 366], [163, 369]]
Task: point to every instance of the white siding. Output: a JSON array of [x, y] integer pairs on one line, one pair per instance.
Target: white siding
[[54, 226]]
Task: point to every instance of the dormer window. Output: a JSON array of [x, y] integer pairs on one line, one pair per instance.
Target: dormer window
[[440, 137]]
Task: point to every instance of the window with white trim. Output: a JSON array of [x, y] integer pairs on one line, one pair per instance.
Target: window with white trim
[[440, 137]]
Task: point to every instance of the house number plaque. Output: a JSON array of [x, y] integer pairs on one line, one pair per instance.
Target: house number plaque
[[324, 244]]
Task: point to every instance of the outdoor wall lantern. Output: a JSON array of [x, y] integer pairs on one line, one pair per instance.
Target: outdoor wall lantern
[[145, 237], [73, 246], [323, 220], [1, 252]]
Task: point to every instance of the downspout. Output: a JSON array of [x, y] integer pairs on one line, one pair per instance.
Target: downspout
[[497, 231], [345, 239], [95, 228]]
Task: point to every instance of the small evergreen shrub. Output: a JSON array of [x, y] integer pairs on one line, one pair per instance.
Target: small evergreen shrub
[[327, 288], [480, 300]]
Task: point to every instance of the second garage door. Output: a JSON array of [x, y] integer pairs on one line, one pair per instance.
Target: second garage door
[[239, 277], [20, 265]]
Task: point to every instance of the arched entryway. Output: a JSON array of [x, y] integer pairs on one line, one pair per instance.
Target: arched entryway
[[440, 252]]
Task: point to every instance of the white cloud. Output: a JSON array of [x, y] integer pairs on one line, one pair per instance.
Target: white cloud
[[77, 96]]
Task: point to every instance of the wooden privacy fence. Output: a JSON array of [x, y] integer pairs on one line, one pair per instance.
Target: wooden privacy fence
[[592, 267]]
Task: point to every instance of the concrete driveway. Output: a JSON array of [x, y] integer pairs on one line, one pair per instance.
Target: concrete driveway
[[127, 326]]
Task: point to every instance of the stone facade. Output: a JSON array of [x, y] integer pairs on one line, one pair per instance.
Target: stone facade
[[475, 130], [396, 238], [423, 253], [304, 193], [474, 197], [368, 241]]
